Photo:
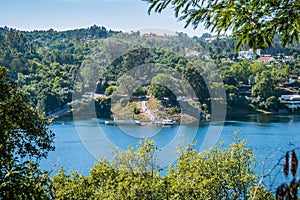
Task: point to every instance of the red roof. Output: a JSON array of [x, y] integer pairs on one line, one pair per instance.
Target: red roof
[[265, 58]]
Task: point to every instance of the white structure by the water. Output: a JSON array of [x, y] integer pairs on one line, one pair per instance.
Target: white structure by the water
[[291, 101]]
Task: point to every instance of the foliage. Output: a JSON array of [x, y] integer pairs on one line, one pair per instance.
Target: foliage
[[280, 75], [25, 181], [218, 174], [241, 71], [45, 63], [131, 175], [140, 91], [122, 64], [173, 110], [136, 111], [221, 173], [254, 22], [264, 85], [71, 186], [271, 102], [289, 191], [24, 137], [160, 87], [89, 107], [259, 193], [110, 90], [231, 94], [103, 107], [194, 75]]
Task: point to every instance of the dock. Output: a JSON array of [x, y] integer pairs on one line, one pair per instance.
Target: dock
[[164, 123], [122, 122]]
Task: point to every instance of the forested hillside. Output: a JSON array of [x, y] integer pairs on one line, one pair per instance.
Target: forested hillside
[[45, 65]]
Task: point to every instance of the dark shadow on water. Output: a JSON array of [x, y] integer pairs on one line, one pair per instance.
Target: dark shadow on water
[[263, 118]]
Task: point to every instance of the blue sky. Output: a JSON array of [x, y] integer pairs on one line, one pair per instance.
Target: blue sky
[[125, 15]]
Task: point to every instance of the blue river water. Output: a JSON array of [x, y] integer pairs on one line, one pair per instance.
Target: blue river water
[[79, 144]]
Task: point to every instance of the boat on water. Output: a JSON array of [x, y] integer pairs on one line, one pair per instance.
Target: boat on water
[[167, 122]]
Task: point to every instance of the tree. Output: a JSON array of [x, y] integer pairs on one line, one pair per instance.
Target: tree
[[206, 35], [109, 90], [161, 88], [194, 75], [252, 22], [133, 174], [71, 186], [264, 84], [48, 100], [241, 71], [23, 137], [103, 107], [160, 91], [221, 173], [140, 91], [231, 95], [257, 67]]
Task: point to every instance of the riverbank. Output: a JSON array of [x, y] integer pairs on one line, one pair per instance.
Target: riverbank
[[58, 114], [152, 110]]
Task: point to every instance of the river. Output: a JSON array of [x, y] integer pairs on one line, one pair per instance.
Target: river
[[80, 143]]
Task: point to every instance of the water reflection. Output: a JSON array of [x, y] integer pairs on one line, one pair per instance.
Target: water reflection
[[262, 118]]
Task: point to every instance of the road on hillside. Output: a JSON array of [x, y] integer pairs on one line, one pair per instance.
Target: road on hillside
[[146, 111]]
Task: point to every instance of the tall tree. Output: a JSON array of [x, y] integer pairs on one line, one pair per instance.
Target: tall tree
[[264, 84], [24, 139], [252, 22]]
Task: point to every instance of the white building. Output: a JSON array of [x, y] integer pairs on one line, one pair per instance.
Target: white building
[[249, 55]]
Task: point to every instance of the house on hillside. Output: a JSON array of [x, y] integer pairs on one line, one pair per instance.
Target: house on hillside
[[245, 55], [286, 58], [293, 78], [266, 59], [212, 38], [249, 55]]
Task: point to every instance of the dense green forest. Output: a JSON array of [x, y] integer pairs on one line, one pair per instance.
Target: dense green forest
[[50, 66], [45, 71], [44, 63]]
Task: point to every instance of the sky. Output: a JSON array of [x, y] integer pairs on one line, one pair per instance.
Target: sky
[[118, 15]]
